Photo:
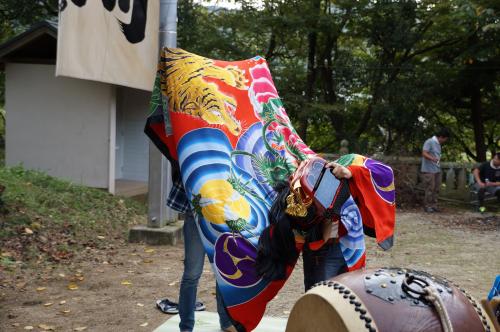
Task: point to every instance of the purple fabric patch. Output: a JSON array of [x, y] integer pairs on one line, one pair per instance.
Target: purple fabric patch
[[382, 179], [235, 259]]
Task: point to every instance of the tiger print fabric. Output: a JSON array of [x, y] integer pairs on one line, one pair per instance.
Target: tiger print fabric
[[190, 90]]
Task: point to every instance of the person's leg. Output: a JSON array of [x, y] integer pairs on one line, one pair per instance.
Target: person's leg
[[480, 196], [224, 320], [334, 261], [496, 192], [427, 180], [313, 272], [437, 186], [322, 264], [194, 257]]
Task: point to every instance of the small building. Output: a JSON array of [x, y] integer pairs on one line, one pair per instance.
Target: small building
[[88, 132]]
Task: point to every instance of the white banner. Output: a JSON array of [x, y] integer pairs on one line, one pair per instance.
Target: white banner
[[113, 41]]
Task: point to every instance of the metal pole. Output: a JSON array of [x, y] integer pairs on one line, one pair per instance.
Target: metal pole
[[160, 171], [168, 23]]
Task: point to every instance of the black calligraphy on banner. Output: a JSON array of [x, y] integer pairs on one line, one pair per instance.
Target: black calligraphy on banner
[[133, 31]]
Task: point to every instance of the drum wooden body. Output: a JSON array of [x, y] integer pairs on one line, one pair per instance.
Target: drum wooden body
[[386, 300]]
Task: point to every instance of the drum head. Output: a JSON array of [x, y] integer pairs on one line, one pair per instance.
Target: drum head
[[320, 309]]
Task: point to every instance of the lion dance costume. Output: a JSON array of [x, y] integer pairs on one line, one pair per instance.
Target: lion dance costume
[[226, 127]]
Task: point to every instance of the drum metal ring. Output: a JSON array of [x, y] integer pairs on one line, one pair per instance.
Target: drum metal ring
[[411, 291]]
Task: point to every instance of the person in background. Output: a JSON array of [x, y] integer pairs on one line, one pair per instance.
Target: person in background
[[487, 176], [431, 169]]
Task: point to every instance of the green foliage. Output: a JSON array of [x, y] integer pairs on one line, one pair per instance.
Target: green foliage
[[16, 15], [382, 74]]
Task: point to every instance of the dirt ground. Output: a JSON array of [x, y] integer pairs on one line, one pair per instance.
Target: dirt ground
[[115, 290]]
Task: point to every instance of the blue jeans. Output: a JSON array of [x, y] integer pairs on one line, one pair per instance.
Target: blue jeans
[[194, 257], [322, 264]]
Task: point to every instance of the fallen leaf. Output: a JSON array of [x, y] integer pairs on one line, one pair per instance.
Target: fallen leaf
[[101, 237], [15, 324], [147, 261], [62, 302], [47, 327], [35, 225], [29, 327], [62, 275], [83, 328], [126, 283], [6, 254], [41, 289], [72, 286], [28, 231], [67, 311], [149, 250], [144, 324], [100, 271], [172, 283], [48, 304], [21, 285], [140, 304]]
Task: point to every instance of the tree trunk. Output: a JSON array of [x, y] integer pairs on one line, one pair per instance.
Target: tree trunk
[[478, 122], [312, 38], [271, 47], [311, 69], [390, 140], [363, 124]]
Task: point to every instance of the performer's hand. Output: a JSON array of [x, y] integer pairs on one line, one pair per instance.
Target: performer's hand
[[339, 171]]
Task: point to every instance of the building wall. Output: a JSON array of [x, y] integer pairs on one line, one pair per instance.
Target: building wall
[[58, 125], [132, 154]]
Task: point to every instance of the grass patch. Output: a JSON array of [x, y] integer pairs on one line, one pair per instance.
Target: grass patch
[[42, 217]]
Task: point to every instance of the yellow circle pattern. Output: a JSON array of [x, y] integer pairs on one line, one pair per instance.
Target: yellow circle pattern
[[220, 202]]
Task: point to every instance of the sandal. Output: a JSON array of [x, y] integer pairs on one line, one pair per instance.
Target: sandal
[[168, 307]]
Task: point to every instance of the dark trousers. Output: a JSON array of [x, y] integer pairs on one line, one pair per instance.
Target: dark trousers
[[322, 264], [432, 183], [481, 192]]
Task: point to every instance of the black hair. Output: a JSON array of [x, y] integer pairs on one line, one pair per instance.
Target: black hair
[[443, 132], [276, 249]]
